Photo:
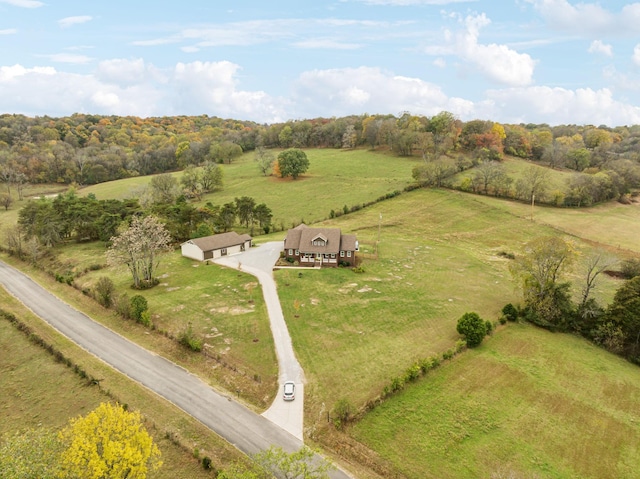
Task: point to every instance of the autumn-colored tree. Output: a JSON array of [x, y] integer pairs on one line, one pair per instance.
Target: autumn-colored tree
[[139, 247], [109, 442]]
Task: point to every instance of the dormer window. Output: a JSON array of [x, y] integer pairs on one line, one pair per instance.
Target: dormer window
[[319, 240]]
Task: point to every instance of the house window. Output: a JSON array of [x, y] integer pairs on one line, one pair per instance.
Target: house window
[[223, 251], [297, 252], [342, 254], [318, 243], [290, 252], [348, 254], [333, 255]]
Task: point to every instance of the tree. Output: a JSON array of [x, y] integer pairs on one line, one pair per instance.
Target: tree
[[596, 264], [30, 454], [6, 200], [435, 172], [301, 464], [109, 442], [164, 188], [262, 214], [533, 183], [473, 328], [265, 159], [211, 178], [624, 312], [539, 269], [191, 182], [139, 246], [245, 207], [292, 162], [224, 152]]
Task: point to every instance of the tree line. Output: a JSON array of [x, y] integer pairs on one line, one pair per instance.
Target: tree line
[[89, 149]]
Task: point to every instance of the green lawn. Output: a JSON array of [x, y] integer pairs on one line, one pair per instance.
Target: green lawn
[[527, 403], [439, 258], [335, 178]]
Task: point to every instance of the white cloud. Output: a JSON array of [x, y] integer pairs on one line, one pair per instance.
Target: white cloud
[[23, 3], [541, 104], [598, 47], [345, 91], [134, 87], [497, 62], [326, 43], [636, 55], [588, 19], [69, 21], [123, 72], [69, 58], [8, 31]]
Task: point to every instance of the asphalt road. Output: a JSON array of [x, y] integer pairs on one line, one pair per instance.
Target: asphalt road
[[240, 426]]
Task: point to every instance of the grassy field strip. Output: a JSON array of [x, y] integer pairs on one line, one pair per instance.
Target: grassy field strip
[[37, 391], [335, 178], [515, 406]]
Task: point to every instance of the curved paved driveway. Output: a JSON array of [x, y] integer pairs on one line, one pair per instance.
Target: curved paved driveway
[[259, 262], [243, 428]]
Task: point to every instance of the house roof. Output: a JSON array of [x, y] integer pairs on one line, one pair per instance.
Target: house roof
[[301, 238], [222, 240]]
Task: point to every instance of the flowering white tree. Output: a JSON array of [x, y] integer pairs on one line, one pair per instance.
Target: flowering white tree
[[139, 247]]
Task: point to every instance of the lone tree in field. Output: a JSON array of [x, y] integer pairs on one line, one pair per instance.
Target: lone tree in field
[[473, 328], [108, 442], [292, 162], [139, 247]]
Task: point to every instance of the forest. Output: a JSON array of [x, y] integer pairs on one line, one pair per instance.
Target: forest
[[89, 149]]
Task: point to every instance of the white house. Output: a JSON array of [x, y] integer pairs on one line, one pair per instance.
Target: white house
[[215, 246]]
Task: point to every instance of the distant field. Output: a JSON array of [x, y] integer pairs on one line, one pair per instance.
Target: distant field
[[526, 404], [36, 391], [335, 178], [516, 168], [439, 258], [611, 225]]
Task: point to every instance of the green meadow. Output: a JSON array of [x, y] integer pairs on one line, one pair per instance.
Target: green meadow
[[526, 403], [335, 178]]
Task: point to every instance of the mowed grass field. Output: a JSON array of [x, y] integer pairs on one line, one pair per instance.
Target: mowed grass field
[[439, 257], [525, 404], [335, 178], [223, 307], [38, 392]]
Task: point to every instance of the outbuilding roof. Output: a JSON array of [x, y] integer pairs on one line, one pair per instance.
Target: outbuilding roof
[[219, 241]]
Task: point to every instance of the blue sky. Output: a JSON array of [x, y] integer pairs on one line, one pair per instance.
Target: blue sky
[[512, 61]]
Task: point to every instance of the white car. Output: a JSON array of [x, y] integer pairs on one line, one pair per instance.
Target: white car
[[289, 391]]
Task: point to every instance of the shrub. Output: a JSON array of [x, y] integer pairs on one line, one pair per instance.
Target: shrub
[[122, 305], [145, 318], [510, 312], [630, 268], [358, 269], [473, 328], [489, 326], [138, 306], [189, 339], [343, 411], [412, 373], [207, 463], [104, 291]]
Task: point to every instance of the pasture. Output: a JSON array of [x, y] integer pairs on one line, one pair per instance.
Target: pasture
[[526, 403], [335, 178], [439, 257]]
